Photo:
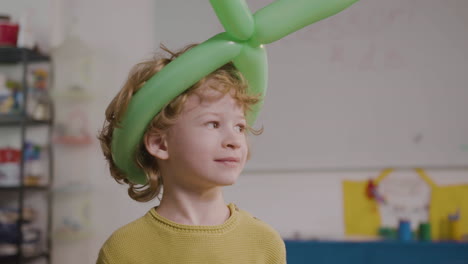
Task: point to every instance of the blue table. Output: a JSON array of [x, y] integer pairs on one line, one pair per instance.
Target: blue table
[[381, 252]]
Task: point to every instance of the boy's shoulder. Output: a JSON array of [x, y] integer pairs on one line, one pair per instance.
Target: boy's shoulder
[[258, 232], [122, 241], [253, 224]]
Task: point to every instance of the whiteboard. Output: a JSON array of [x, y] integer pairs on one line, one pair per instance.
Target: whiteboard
[[384, 83]]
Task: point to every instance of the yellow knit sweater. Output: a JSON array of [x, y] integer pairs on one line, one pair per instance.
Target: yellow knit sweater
[[242, 239]]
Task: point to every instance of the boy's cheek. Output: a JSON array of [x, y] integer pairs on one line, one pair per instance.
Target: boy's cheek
[[246, 155]]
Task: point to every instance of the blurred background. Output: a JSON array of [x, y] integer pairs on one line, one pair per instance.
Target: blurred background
[[364, 158]]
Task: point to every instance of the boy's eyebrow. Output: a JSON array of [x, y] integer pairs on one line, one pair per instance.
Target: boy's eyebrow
[[207, 113], [216, 114]]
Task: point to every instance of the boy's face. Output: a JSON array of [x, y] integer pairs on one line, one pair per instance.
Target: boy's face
[[207, 146]]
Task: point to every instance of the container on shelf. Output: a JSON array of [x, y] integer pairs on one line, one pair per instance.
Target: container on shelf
[[9, 166], [8, 32]]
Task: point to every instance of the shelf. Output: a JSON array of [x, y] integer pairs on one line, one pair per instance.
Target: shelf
[[12, 55], [16, 119], [27, 188], [13, 258]]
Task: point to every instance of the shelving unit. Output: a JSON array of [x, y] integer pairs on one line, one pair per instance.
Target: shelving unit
[[24, 259], [10, 56]]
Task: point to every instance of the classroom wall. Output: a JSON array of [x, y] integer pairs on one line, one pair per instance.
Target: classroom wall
[[382, 83], [117, 34]]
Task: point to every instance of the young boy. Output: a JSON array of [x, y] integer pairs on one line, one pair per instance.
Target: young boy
[[193, 147]]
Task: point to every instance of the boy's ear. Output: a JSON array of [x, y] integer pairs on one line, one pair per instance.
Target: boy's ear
[[156, 145]]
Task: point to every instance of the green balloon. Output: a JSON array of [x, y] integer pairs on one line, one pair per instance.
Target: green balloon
[[236, 18], [284, 17], [252, 62], [241, 44]]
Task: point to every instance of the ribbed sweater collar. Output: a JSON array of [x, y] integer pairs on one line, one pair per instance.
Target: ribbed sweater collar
[[228, 225]]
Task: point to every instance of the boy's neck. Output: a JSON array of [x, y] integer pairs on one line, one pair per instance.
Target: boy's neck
[[194, 209]]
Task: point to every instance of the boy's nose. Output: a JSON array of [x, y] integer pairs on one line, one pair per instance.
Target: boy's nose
[[233, 145], [231, 140]]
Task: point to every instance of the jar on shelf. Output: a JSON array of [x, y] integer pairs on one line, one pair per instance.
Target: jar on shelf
[[8, 31]]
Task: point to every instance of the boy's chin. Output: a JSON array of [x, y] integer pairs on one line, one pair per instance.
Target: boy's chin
[[228, 184], [228, 181]]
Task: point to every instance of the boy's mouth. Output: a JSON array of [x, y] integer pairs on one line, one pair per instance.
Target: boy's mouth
[[230, 161]]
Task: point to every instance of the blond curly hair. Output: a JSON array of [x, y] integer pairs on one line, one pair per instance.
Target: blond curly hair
[[229, 80]]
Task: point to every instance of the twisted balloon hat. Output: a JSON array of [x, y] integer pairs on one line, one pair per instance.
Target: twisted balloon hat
[[242, 43]]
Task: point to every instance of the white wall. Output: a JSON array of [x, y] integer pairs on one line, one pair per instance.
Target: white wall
[[120, 33]]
